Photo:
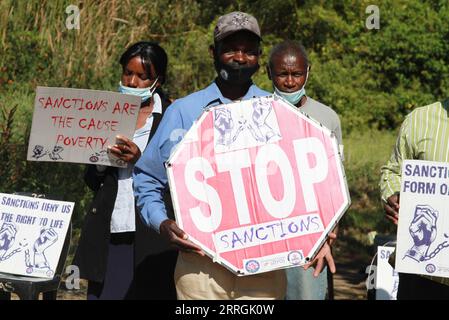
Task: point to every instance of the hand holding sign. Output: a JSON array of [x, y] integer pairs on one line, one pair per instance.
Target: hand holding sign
[[125, 150], [324, 257], [178, 238], [391, 208]]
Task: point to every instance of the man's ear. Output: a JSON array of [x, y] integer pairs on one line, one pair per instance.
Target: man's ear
[[269, 72]]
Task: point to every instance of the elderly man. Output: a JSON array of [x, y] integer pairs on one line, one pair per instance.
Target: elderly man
[[289, 69]]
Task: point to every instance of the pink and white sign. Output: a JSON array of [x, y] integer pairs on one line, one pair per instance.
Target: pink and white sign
[[258, 185]]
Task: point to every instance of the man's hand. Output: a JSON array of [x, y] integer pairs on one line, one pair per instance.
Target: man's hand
[[125, 150], [324, 257], [178, 238], [391, 208]]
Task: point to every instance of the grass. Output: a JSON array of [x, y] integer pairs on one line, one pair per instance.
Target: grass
[[365, 153]]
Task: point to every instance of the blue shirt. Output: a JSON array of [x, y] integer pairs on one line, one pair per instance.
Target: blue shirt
[[150, 176]]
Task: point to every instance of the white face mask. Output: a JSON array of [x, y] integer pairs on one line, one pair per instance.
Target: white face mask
[[144, 93]]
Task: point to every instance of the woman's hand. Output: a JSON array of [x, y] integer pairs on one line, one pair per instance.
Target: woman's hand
[[125, 150]]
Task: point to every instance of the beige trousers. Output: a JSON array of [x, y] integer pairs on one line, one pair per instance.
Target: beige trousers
[[199, 278]]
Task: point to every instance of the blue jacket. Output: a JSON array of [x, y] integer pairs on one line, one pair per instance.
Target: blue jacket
[[150, 176]]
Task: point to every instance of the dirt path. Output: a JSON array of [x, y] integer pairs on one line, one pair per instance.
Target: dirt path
[[349, 281]]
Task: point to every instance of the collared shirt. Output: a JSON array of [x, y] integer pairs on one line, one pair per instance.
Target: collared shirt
[[150, 177], [424, 135], [123, 215]]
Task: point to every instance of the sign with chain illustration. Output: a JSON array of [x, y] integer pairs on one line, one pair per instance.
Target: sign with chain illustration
[[423, 228], [32, 234], [77, 125]]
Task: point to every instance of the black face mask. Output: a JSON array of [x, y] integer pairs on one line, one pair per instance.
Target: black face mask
[[235, 73]]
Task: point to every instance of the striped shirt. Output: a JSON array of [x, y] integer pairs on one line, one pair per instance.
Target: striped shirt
[[424, 135]]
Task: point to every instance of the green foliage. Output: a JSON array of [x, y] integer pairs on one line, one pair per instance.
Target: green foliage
[[363, 160]]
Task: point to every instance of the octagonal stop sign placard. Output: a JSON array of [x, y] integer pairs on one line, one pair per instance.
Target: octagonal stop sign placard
[[258, 185]]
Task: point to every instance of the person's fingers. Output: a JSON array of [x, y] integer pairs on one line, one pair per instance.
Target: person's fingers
[[115, 150], [393, 219], [124, 153], [319, 267], [180, 239], [308, 265], [331, 263], [178, 232], [187, 246], [122, 140], [332, 235], [390, 211], [393, 201]]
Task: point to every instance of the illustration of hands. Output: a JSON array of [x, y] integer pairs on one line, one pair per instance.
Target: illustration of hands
[[8, 233], [261, 130], [224, 123], [55, 154], [423, 230], [47, 238], [261, 111]]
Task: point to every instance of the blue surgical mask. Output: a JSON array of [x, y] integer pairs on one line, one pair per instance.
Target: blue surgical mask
[[144, 93]]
